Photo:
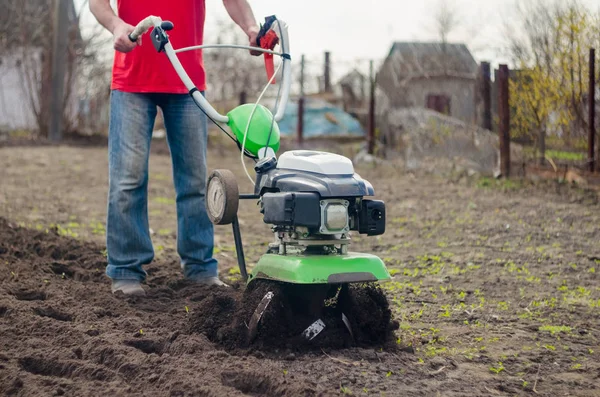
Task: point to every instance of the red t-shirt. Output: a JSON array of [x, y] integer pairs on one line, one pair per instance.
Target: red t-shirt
[[144, 69]]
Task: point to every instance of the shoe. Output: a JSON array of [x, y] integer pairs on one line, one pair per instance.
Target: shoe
[[128, 287], [210, 281]]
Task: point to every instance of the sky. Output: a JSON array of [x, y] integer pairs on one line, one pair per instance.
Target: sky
[[356, 31]]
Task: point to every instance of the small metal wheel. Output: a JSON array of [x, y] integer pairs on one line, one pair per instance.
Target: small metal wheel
[[222, 197]]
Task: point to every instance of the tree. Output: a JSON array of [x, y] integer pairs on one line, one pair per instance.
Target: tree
[[446, 20], [26, 34], [549, 46], [534, 95]]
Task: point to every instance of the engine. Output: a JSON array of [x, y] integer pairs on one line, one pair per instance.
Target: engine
[[314, 200]]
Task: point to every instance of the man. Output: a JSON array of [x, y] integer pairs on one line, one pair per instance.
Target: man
[[143, 80]]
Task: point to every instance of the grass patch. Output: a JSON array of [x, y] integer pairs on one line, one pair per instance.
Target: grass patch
[[497, 369], [501, 184], [164, 200], [565, 156], [555, 329]]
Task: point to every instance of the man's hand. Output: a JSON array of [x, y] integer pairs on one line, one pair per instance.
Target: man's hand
[[252, 35], [241, 13], [105, 15], [121, 38]]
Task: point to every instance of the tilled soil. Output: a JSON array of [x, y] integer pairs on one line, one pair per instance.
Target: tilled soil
[[64, 333], [495, 289], [225, 318]]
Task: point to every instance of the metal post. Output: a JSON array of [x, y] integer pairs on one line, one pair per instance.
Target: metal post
[[592, 111], [243, 97], [371, 138], [363, 90], [59, 67], [326, 74], [239, 248], [504, 112], [300, 126], [302, 76], [487, 95]]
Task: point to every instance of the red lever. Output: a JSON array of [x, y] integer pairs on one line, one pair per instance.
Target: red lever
[[268, 42]]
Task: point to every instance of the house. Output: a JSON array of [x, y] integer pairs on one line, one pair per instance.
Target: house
[[352, 95], [354, 90], [26, 64], [438, 76]]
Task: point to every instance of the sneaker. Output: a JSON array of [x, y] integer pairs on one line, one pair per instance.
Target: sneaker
[[210, 281], [128, 287]]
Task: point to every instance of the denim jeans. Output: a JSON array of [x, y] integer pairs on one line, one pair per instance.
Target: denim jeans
[[128, 241]]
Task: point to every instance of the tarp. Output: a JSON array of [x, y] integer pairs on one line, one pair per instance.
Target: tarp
[[321, 118]]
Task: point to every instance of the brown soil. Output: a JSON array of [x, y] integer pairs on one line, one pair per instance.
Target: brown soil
[[224, 317], [64, 333], [495, 290]]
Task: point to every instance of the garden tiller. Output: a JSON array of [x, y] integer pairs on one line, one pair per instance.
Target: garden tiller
[[313, 200]]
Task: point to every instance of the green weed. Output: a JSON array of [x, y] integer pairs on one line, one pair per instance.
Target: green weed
[[555, 329], [164, 200], [498, 368], [565, 156]]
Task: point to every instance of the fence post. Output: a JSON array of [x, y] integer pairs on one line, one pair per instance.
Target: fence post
[[302, 75], [504, 112], [59, 67], [326, 76], [487, 95], [371, 109], [300, 125], [592, 111]]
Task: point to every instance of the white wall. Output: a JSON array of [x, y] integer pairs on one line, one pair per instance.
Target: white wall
[[16, 109], [15, 99]]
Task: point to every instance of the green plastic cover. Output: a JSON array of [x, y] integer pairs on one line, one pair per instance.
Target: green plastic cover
[[260, 127], [320, 269]]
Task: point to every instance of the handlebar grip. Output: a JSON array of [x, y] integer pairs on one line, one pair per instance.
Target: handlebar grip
[[146, 24]]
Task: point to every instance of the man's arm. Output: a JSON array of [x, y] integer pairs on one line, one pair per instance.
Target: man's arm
[[105, 15], [241, 13]]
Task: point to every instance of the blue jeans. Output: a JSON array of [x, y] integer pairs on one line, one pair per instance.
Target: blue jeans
[[128, 241]]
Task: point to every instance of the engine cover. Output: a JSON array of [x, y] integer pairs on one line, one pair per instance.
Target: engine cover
[[329, 175], [317, 162]]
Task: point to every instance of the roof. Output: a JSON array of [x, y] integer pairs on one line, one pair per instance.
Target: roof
[[31, 20], [351, 77], [413, 59]]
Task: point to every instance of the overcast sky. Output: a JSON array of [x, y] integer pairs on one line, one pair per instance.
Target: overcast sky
[[356, 31]]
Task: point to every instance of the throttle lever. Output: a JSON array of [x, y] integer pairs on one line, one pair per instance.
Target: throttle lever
[[268, 39]]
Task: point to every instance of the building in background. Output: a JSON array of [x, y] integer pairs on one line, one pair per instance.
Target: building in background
[[353, 93], [437, 76]]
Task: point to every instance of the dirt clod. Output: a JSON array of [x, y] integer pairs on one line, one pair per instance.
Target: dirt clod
[[225, 317]]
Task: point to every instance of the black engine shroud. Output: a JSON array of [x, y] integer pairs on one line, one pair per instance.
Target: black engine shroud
[[293, 197]]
